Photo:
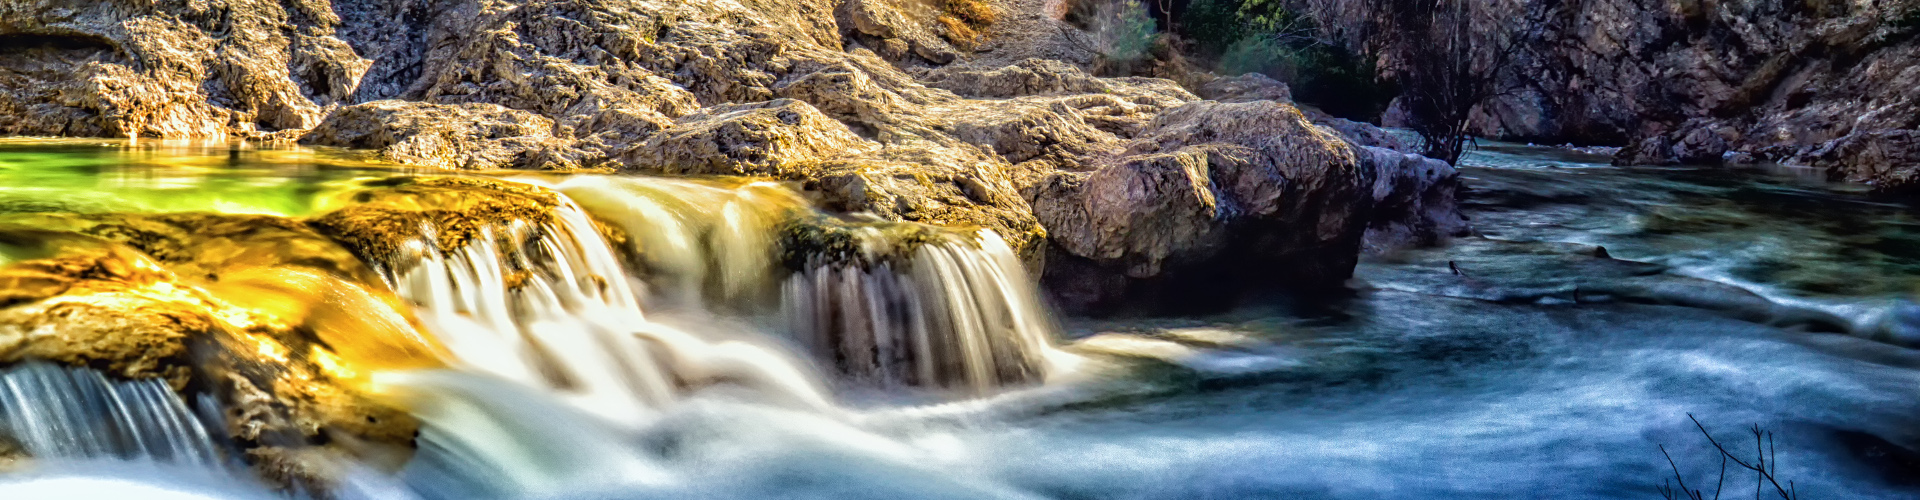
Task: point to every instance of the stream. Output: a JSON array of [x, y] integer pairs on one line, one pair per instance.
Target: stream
[[1523, 362]]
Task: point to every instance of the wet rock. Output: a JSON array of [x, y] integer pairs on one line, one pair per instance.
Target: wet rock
[[85, 301], [387, 214], [1414, 201], [453, 137], [204, 246], [94, 303], [1886, 160]]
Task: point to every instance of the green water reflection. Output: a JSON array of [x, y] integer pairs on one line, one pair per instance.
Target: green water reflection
[[107, 175]]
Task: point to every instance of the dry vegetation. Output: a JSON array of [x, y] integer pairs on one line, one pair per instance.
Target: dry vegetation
[[962, 20]]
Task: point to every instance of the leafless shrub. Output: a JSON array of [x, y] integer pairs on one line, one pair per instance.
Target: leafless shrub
[[1765, 466]]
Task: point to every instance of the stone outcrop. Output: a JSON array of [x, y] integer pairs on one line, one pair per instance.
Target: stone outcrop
[[455, 137]]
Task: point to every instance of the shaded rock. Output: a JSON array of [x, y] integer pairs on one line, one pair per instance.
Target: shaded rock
[[1258, 87], [1363, 133], [1415, 200], [454, 137], [1695, 82], [1887, 160]]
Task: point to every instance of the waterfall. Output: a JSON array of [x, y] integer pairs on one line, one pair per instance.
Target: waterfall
[[695, 241], [558, 305], [552, 306], [957, 313], [56, 412]]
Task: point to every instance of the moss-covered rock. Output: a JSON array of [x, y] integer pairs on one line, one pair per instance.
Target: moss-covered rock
[[814, 240], [378, 219]]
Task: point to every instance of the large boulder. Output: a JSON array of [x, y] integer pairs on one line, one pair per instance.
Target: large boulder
[[1212, 198]]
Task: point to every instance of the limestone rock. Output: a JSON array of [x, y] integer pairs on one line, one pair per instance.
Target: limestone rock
[[939, 186], [170, 68], [1210, 187], [1247, 87], [781, 138], [453, 137], [975, 131]]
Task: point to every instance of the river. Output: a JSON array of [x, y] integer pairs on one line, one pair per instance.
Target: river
[[1525, 362]]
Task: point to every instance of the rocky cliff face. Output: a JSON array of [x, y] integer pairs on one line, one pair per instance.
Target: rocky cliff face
[[959, 113], [1823, 84]]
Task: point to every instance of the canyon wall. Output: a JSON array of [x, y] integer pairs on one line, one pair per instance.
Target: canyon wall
[[1827, 84]]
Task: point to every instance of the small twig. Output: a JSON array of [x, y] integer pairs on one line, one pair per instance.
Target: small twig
[[1764, 473], [1668, 491]]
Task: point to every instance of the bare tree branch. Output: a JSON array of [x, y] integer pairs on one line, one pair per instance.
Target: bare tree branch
[[1765, 466]]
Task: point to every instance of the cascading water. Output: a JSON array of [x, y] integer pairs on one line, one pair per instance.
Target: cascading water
[[699, 244], [957, 312], [552, 306], [77, 413]]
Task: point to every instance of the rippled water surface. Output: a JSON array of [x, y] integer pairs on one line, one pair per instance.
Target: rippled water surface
[[1407, 388]]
